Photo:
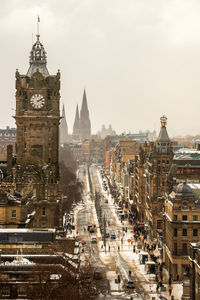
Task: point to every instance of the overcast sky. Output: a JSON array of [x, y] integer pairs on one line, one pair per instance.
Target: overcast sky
[[137, 59]]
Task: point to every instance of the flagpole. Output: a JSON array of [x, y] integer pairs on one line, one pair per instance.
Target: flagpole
[[38, 19]]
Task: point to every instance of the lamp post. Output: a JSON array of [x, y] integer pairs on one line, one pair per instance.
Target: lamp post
[[0, 255]]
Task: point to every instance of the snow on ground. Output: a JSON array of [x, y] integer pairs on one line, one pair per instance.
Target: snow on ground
[[111, 276], [132, 259]]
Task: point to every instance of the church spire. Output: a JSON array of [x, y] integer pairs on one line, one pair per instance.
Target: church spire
[[84, 114], [85, 125], [63, 112], [63, 128], [76, 127]]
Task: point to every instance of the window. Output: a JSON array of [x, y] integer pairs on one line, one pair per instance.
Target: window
[[195, 232], [44, 211], [175, 218], [175, 231], [175, 248], [6, 291], [22, 291], [184, 204], [184, 249], [13, 213], [195, 218], [184, 232], [184, 218]]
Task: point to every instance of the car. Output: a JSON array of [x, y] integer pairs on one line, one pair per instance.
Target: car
[[91, 230], [93, 240], [106, 201], [130, 285], [113, 236], [107, 235]]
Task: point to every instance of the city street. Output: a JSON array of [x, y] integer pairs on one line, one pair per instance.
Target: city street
[[115, 255]]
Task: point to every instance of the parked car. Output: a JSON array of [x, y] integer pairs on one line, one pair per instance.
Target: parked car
[[106, 201], [113, 236], [93, 240], [107, 235], [130, 285]]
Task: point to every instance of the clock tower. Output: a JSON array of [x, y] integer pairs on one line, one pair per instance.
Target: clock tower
[[37, 118], [37, 110]]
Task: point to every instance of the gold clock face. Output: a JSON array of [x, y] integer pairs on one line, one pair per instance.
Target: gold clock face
[[37, 101]]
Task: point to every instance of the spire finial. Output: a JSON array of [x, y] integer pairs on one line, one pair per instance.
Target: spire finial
[[163, 121], [38, 34]]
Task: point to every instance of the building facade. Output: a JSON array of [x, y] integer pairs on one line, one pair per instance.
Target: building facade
[[182, 226]]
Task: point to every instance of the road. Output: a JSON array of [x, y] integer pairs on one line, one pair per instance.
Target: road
[[117, 265]]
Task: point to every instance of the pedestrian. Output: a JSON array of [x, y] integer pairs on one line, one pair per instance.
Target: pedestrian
[[109, 248], [161, 276], [129, 273], [170, 291], [177, 277], [156, 277], [157, 287], [170, 280], [118, 248]]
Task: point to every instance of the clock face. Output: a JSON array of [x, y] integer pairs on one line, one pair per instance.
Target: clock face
[[37, 101]]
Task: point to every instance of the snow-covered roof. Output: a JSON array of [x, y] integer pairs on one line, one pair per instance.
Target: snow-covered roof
[[19, 260]]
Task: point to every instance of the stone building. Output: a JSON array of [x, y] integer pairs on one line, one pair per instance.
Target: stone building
[[104, 132], [182, 226], [149, 183], [34, 264], [194, 263], [185, 167], [7, 137], [156, 171], [37, 119]]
